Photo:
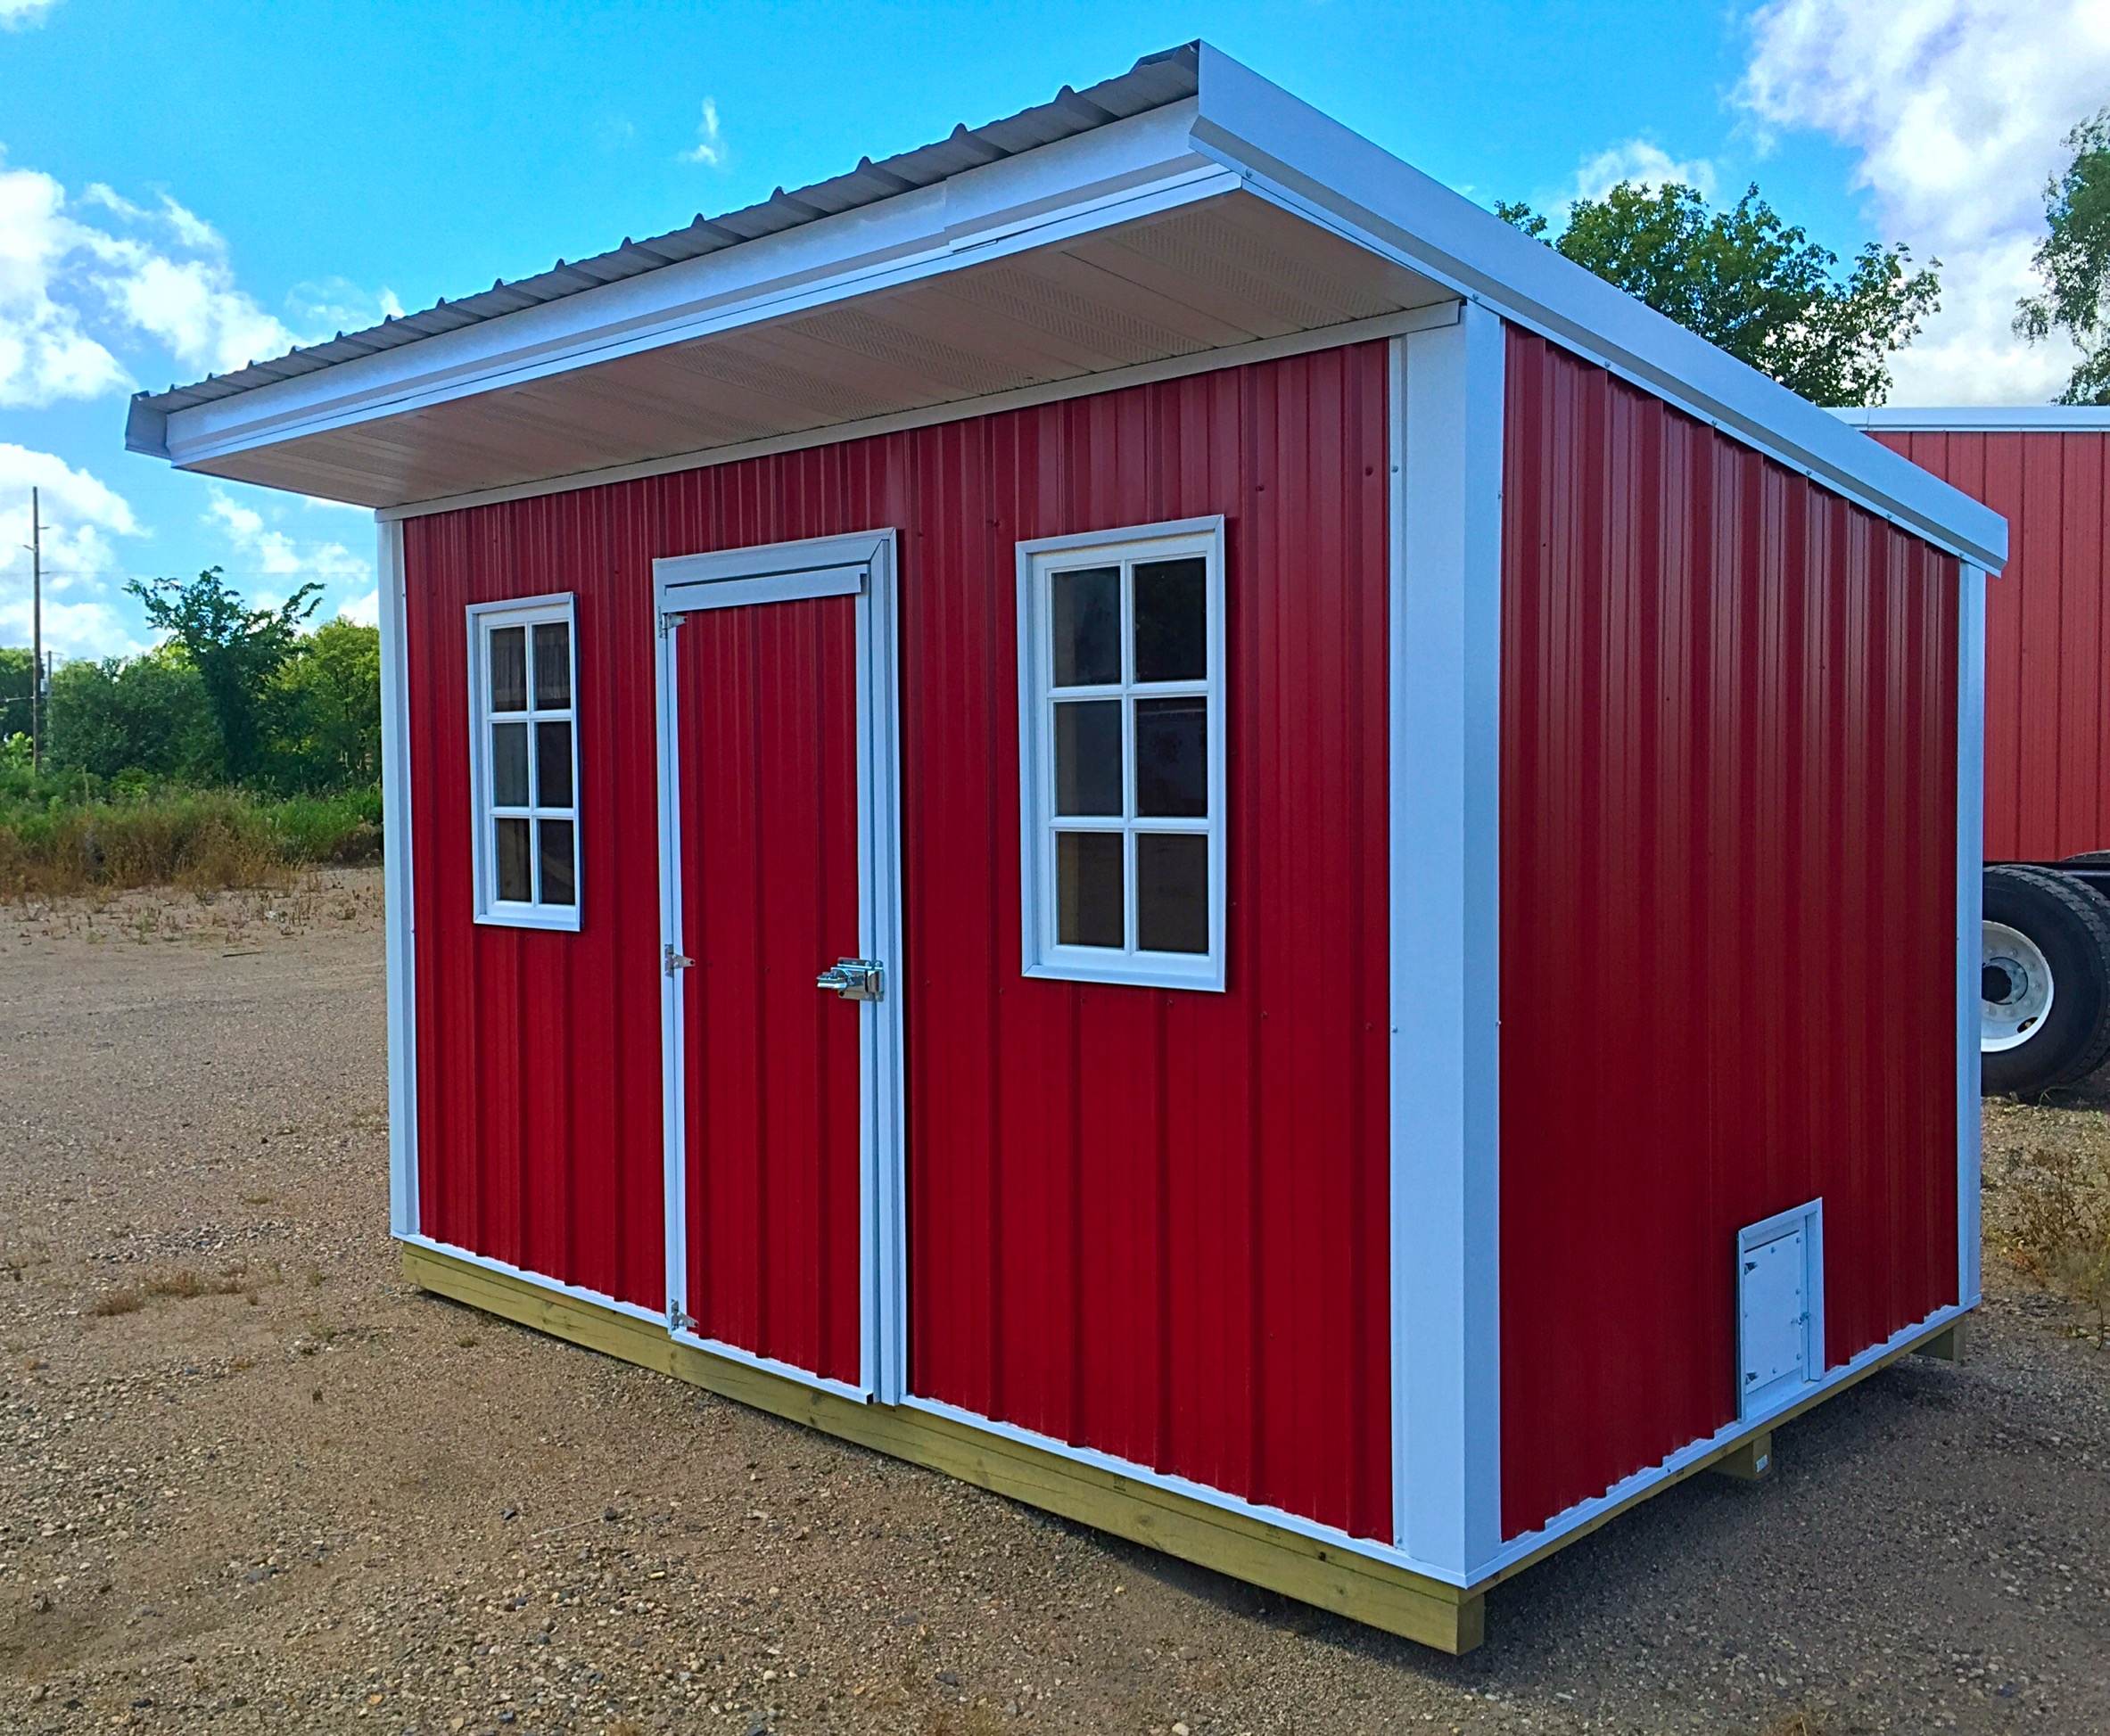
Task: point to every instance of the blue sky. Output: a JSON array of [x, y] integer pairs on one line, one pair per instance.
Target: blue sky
[[186, 186]]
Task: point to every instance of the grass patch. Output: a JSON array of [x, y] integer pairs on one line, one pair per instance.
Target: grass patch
[[53, 844], [123, 1300], [2049, 1205]]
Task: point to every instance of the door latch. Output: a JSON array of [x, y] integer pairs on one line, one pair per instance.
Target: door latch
[[671, 961], [854, 979]]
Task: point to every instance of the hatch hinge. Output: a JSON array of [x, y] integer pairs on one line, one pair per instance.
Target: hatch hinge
[[678, 1319], [670, 961], [670, 620]]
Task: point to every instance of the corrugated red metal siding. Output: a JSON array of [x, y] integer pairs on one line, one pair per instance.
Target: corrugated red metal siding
[[2047, 634], [1153, 1223], [538, 1053], [1729, 909]]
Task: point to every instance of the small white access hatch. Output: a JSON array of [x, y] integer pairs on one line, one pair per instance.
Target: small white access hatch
[[1780, 1308]]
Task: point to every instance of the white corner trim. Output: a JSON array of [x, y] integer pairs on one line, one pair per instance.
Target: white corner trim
[[1970, 891], [400, 917], [1447, 413]]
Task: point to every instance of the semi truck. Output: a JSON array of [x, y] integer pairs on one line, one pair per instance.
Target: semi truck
[[2045, 972]]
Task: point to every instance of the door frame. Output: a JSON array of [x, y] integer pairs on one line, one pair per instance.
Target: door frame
[[862, 565]]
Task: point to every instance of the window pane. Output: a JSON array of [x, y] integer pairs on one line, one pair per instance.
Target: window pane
[[1172, 757], [553, 666], [1172, 621], [560, 884], [1088, 627], [509, 765], [553, 763], [508, 668], [1088, 889], [1088, 757], [1172, 892], [513, 861]]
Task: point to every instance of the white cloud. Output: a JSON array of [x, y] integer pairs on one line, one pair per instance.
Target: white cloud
[[363, 611], [273, 554], [46, 353], [191, 304], [18, 14], [331, 305], [709, 148], [1957, 109], [82, 514], [1640, 161]]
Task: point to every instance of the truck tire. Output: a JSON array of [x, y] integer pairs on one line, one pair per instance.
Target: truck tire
[[2044, 1007]]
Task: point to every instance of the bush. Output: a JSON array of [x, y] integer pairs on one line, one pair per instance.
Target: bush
[[148, 715], [197, 840]]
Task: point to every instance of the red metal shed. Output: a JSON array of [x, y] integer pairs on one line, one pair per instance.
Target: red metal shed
[[1135, 806]]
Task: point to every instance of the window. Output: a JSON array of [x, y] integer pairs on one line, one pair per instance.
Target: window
[[524, 762], [1121, 750]]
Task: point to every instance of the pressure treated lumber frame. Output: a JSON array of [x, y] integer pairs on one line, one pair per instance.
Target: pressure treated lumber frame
[[1373, 1592], [1376, 1593]]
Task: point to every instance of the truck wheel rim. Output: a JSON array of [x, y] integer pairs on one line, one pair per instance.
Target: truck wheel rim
[[2014, 989]]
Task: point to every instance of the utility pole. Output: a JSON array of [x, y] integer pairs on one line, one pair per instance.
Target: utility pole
[[35, 634]]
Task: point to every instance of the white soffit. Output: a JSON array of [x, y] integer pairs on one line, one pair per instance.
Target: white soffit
[[1217, 272]]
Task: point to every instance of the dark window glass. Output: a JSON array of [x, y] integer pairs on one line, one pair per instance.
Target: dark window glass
[[509, 765], [513, 882], [553, 763], [1088, 627], [1172, 621], [1172, 892], [1172, 757], [508, 668], [553, 666], [1088, 889], [559, 885], [1088, 757]]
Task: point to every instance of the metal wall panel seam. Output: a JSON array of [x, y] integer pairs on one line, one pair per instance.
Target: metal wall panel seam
[[398, 915], [1969, 892], [1446, 880], [963, 409]]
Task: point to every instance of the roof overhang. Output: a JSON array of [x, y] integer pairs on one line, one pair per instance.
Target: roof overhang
[[1186, 215]]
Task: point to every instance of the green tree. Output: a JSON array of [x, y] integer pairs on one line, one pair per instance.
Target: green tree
[[14, 690], [237, 652], [2075, 263], [1760, 289], [149, 714], [328, 727]]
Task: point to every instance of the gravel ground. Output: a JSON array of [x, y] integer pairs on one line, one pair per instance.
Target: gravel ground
[[250, 1480]]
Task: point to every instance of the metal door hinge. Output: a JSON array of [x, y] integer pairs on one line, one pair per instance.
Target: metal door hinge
[[678, 1316], [669, 620], [670, 961], [854, 979]]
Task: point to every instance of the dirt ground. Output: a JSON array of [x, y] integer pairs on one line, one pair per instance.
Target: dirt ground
[[250, 1480]]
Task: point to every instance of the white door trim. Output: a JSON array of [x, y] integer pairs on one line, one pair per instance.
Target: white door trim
[[863, 565]]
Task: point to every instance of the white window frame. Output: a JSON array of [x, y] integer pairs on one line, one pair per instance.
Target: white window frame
[[1038, 560], [484, 619]]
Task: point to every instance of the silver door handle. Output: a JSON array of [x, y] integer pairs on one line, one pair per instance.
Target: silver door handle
[[854, 979]]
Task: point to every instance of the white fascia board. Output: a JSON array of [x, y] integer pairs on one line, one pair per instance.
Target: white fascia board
[[1311, 163], [1981, 418], [1110, 175]]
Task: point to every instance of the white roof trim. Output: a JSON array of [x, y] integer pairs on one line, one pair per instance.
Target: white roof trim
[[1983, 419], [1311, 162], [1238, 132]]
